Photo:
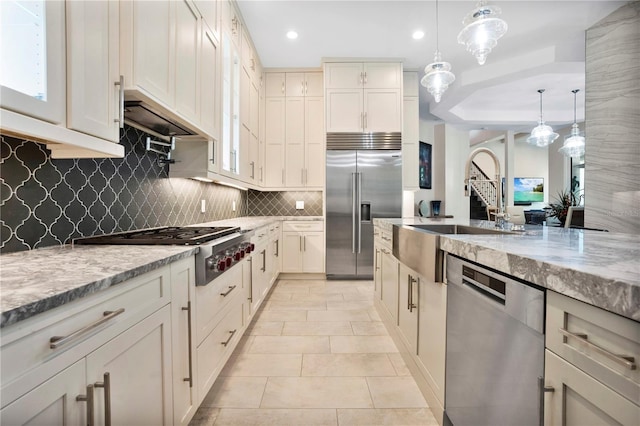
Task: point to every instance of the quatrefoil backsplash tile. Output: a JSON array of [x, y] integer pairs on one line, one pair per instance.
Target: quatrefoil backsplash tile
[[45, 202]]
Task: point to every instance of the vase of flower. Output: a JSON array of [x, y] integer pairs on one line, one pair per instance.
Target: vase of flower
[[564, 200]]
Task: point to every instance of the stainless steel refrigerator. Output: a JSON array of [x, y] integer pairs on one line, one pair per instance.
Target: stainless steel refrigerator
[[361, 185]]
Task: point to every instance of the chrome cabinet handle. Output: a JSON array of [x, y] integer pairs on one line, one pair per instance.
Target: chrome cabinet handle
[[229, 339], [361, 78], [277, 248], [542, 389], [300, 242], [120, 119], [365, 121], [253, 169], [264, 260], [190, 378], [625, 360], [88, 398], [283, 87], [411, 306], [304, 243], [213, 153], [306, 87], [302, 87], [250, 298], [365, 77], [226, 293], [106, 384], [362, 120], [57, 341]]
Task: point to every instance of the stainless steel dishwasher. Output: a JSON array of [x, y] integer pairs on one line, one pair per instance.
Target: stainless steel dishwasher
[[495, 348]]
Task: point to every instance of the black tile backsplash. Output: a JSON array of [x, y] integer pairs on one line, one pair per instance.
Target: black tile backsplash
[[45, 202], [283, 203]]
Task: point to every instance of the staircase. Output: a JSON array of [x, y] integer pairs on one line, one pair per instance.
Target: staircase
[[483, 192]]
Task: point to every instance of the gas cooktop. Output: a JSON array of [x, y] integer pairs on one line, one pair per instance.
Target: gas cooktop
[[166, 235]]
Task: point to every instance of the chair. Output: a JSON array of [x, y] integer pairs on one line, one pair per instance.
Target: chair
[[491, 211], [575, 217], [517, 214]]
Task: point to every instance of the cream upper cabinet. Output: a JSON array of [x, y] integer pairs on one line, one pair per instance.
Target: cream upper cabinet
[[410, 84], [275, 84], [209, 81], [74, 106], [363, 97], [93, 82], [209, 9], [275, 110], [304, 84], [187, 58]]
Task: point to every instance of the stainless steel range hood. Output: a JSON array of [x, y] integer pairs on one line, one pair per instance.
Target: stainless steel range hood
[[145, 117]]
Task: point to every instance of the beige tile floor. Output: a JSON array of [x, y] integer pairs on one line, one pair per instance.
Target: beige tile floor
[[316, 354]]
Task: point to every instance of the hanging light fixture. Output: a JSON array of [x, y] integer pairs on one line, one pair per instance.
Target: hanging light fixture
[[438, 75], [482, 29], [574, 144], [542, 135]]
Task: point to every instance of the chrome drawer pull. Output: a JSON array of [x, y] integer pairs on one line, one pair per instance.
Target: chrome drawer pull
[[229, 339], [106, 384], [625, 360], [226, 293], [88, 398], [57, 341]]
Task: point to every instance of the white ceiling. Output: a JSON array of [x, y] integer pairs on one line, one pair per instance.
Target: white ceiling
[[544, 48]]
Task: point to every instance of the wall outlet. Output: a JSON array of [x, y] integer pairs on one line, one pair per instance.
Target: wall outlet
[[203, 206], [299, 205], [233, 206]]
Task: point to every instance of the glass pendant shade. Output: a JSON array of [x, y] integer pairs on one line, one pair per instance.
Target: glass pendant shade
[[438, 77], [542, 135], [482, 29], [574, 144]]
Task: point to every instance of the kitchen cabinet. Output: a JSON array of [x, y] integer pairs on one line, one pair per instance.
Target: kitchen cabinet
[[363, 97], [410, 133], [72, 106], [408, 299], [187, 58], [230, 106], [124, 331], [294, 143], [390, 277], [591, 359], [209, 92], [183, 341], [303, 246], [259, 268], [209, 9]]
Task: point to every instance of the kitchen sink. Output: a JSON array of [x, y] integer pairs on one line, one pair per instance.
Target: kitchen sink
[[421, 250], [457, 229]]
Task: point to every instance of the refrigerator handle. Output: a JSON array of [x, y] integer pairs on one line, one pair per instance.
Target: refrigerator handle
[[358, 202], [354, 200]]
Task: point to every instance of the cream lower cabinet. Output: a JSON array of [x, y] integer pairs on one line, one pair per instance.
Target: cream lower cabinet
[[408, 293], [390, 275], [303, 247]]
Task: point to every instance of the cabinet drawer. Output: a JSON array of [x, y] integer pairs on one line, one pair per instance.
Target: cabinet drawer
[[604, 345], [27, 358], [216, 347], [274, 231], [213, 298], [578, 399], [300, 226], [260, 235]]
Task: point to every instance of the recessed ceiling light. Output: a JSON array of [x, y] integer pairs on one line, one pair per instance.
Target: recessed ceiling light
[[292, 35], [417, 35]]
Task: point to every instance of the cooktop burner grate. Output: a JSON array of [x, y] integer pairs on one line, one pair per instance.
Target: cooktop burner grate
[[168, 235]]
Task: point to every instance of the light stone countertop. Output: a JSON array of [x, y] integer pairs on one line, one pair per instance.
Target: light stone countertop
[[35, 281], [599, 268]]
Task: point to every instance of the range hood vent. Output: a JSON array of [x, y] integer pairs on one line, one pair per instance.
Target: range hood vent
[[377, 140], [144, 116]]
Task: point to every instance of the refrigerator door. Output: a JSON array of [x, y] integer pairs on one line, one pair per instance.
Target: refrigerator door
[[341, 215], [379, 195]]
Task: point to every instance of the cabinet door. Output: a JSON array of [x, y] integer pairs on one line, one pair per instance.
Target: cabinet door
[[344, 110], [294, 147], [40, 91], [313, 84], [578, 399], [410, 86], [343, 75], [139, 365], [209, 11], [432, 321], [390, 283], [408, 289], [245, 97], [382, 75], [93, 68], [291, 252], [183, 340], [294, 84], [275, 84], [313, 252], [209, 94], [274, 142], [410, 136], [187, 60], [254, 109], [382, 110], [377, 269], [154, 46], [314, 142], [51, 403]]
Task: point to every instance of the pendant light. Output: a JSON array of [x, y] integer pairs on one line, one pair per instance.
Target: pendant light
[[482, 29], [542, 135], [438, 75], [574, 144]]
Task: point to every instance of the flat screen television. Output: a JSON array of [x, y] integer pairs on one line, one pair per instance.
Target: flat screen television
[[424, 165], [527, 191]]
